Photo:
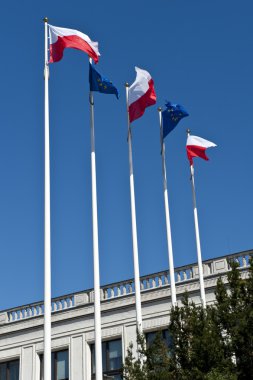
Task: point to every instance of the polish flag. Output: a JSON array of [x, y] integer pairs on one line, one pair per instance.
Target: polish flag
[[141, 94], [61, 38], [196, 147]]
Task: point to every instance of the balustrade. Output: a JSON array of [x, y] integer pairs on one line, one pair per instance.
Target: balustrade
[[121, 289]]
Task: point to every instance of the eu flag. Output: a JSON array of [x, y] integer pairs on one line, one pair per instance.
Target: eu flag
[[171, 117], [101, 84]]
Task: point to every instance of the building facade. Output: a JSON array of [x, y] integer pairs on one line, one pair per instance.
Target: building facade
[[21, 328]]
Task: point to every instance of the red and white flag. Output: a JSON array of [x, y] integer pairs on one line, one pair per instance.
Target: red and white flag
[[141, 94], [61, 38], [196, 147]]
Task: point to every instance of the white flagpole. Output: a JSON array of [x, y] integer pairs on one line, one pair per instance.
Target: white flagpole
[[97, 312], [134, 227], [47, 237], [200, 265], [167, 215]]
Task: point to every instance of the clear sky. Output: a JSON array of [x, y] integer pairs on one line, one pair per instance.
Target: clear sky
[[200, 55]]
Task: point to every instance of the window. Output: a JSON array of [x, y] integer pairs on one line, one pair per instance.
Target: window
[[59, 363], [112, 360], [150, 337], [9, 370]]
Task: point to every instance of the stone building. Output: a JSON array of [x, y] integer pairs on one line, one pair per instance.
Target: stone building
[[21, 328]]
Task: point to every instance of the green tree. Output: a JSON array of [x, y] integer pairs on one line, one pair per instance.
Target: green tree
[[234, 309], [215, 343], [198, 347], [153, 362]]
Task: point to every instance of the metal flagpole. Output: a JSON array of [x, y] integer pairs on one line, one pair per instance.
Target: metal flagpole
[[201, 277], [134, 227], [167, 215], [97, 312], [47, 237]]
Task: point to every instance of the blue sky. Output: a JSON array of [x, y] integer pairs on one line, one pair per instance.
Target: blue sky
[[200, 55]]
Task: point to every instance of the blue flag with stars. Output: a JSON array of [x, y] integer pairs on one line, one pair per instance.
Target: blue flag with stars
[[171, 117], [101, 84]]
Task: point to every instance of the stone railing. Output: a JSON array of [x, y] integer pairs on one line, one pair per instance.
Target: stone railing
[[212, 267], [185, 273], [36, 309]]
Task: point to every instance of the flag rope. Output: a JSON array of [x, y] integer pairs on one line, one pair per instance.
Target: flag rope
[[47, 228], [196, 223], [167, 216], [97, 310], [134, 226]]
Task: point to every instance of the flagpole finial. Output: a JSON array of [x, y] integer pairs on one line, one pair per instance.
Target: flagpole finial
[[45, 19], [127, 84], [188, 131], [159, 109]]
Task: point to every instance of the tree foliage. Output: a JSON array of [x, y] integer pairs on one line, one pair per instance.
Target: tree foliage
[[215, 343]]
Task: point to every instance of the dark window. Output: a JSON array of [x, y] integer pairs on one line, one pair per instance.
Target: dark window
[[9, 370], [112, 360], [59, 365], [150, 337]]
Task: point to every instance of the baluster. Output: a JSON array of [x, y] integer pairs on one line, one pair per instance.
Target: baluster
[[142, 285], [178, 276], [112, 292], [148, 283], [208, 269], [191, 273], [64, 303], [153, 283], [166, 281], [92, 296], [39, 310], [119, 291], [59, 305], [124, 289], [68, 302], [184, 275], [160, 281], [71, 301], [244, 261], [130, 288]]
